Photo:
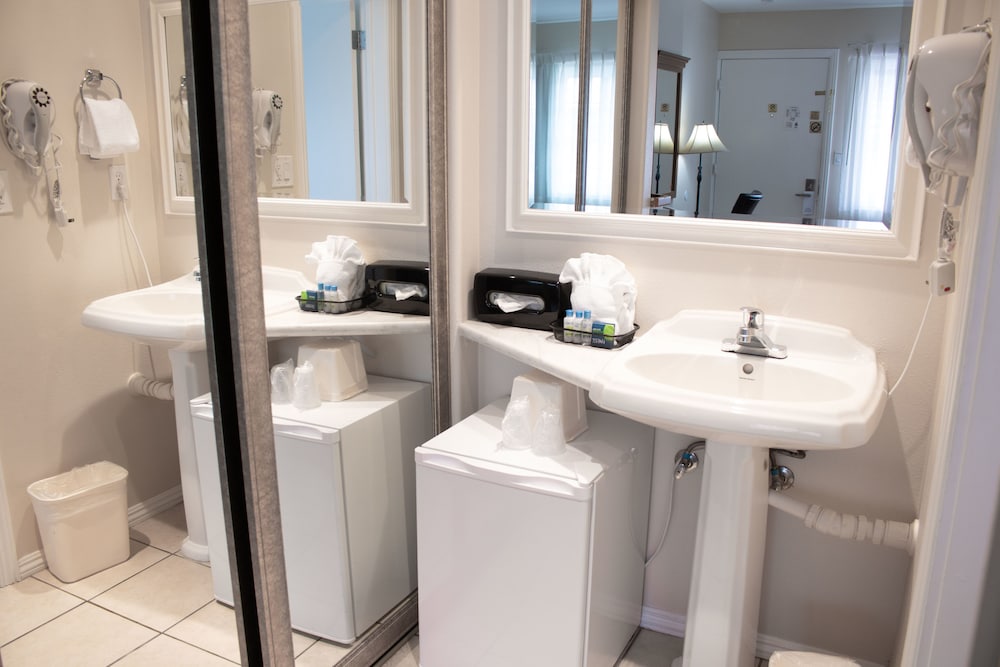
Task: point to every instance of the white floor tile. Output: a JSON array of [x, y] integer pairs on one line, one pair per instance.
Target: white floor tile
[[85, 636], [162, 594], [407, 655], [653, 649], [166, 651], [142, 556], [213, 628], [321, 654], [28, 604], [166, 530]]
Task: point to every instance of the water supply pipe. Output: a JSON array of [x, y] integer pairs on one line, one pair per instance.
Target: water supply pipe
[[849, 526], [144, 386]]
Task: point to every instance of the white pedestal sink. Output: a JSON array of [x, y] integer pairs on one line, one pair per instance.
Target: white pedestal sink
[[829, 393], [171, 315]]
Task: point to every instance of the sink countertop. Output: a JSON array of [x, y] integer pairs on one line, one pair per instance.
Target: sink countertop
[[575, 364], [298, 323]]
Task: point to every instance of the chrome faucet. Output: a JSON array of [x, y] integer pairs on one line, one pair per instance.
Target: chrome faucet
[[751, 338]]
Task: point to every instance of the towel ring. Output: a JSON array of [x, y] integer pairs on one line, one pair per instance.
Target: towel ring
[[93, 78]]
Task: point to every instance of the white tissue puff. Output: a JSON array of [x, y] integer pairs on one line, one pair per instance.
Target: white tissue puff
[[602, 285], [339, 262]]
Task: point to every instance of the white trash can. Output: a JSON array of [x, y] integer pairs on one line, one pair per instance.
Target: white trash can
[[83, 519]]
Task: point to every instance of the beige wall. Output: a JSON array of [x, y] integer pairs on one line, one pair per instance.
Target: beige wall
[[818, 591], [64, 401]]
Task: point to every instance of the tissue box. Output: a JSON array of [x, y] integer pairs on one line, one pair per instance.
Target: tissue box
[[547, 295], [339, 368], [542, 388], [385, 278]]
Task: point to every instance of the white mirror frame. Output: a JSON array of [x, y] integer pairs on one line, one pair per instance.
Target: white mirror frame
[[899, 243], [412, 212]]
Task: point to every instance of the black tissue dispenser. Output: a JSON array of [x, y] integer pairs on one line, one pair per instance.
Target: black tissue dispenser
[[399, 287], [541, 297]]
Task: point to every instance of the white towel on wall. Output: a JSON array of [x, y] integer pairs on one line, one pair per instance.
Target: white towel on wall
[[107, 128]]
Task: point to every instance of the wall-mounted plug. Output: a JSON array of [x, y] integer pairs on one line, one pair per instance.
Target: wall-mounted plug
[[6, 206], [942, 277], [119, 182]]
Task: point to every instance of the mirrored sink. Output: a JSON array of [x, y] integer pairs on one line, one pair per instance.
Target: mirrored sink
[[828, 393], [171, 313]]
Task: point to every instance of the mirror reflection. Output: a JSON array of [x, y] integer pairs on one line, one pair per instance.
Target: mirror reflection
[[805, 104], [571, 169], [328, 105]]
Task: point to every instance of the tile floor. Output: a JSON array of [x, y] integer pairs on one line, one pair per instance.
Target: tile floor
[[157, 609]]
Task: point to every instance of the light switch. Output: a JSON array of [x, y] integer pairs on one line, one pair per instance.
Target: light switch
[[281, 171], [6, 205]]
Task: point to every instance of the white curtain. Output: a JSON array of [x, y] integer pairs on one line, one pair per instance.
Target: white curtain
[[869, 174], [553, 106]]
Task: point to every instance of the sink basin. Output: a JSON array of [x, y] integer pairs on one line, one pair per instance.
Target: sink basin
[[828, 394], [171, 313]]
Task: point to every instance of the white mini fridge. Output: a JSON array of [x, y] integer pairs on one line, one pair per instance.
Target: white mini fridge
[[529, 560], [346, 493]]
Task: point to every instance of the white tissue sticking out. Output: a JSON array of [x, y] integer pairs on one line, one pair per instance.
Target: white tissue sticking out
[[511, 303], [281, 382], [547, 437], [305, 392], [515, 429], [602, 285], [403, 291], [339, 262]]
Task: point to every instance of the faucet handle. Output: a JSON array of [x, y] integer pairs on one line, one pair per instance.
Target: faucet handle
[[753, 317]]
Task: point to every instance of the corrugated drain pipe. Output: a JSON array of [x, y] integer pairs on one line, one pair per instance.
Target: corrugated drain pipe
[[144, 386], [849, 526]]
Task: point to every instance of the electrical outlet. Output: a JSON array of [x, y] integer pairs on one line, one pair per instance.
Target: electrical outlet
[[6, 206], [119, 182], [281, 171]]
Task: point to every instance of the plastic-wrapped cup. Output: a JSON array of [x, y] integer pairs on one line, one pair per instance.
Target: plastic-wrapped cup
[[305, 392], [515, 428], [548, 438], [281, 382]]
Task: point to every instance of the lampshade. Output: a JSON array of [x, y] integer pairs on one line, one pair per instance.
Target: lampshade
[[662, 141], [704, 139]]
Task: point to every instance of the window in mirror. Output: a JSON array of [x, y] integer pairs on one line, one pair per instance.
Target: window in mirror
[[556, 92]]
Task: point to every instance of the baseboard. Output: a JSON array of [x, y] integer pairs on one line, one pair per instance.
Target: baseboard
[[141, 511], [35, 561], [674, 624], [28, 565]]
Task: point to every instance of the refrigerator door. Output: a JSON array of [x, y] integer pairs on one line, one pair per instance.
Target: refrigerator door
[[314, 527]]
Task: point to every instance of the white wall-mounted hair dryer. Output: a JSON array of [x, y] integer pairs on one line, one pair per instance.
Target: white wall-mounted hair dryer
[[944, 93], [26, 116]]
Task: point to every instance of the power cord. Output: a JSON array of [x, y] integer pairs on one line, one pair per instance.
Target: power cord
[[916, 339]]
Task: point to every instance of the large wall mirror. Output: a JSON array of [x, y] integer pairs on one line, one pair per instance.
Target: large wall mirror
[[339, 109], [804, 108]]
